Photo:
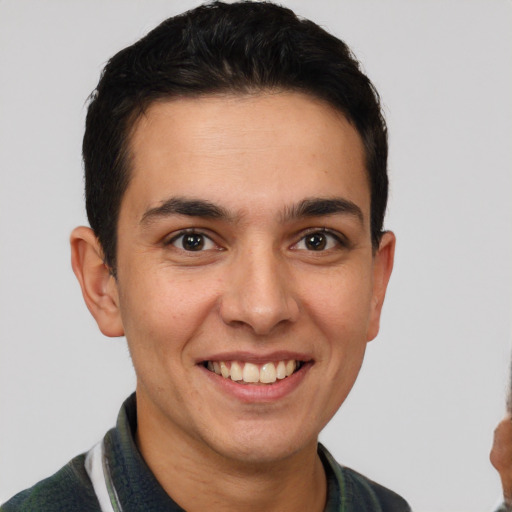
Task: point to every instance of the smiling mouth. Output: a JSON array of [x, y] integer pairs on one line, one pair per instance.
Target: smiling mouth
[[250, 373]]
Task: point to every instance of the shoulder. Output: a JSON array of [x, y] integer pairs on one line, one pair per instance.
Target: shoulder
[[504, 508], [372, 494], [69, 489], [349, 490]]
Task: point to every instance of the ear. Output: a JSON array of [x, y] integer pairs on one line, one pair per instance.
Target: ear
[[99, 287], [382, 267]]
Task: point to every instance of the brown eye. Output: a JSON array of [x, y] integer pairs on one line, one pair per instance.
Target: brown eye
[[193, 242], [316, 241]]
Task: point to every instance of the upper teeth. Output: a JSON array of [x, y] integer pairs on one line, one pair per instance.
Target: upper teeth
[[253, 373]]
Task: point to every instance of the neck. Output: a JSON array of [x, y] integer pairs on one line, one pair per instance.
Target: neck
[[201, 479]]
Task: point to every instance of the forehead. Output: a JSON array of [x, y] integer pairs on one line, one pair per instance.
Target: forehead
[[265, 149]]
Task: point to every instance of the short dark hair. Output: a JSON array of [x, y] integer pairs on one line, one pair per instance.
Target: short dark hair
[[240, 48]]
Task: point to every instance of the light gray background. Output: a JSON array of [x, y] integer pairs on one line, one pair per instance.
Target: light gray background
[[421, 416]]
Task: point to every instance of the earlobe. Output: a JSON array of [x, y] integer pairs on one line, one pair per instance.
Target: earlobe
[[99, 287], [382, 268]]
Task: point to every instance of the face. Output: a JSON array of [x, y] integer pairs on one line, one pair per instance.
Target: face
[[246, 282], [501, 455]]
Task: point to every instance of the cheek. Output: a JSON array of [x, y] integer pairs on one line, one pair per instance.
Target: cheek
[[340, 309], [340, 302], [163, 312]]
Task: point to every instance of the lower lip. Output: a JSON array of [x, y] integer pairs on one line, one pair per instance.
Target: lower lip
[[260, 393]]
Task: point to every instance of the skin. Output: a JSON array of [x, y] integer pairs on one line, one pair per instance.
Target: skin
[[501, 455], [255, 292]]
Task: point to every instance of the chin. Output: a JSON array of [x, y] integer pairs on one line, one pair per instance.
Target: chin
[[260, 447]]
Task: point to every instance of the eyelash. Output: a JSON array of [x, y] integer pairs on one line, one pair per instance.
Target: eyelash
[[340, 240], [185, 233]]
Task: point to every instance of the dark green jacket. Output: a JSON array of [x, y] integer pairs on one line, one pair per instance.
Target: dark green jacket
[[137, 490]]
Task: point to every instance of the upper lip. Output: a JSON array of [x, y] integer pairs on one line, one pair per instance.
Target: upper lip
[[256, 358]]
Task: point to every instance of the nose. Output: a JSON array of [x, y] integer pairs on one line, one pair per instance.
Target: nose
[[259, 293]]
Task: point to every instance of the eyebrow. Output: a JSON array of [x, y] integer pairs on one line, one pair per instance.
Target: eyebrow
[[188, 207], [319, 207], [311, 207]]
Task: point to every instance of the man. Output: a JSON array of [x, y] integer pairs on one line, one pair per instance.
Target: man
[[501, 455], [236, 185]]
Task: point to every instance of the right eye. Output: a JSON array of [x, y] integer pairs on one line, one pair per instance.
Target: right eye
[[191, 241]]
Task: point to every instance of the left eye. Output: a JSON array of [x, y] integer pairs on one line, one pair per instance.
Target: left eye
[[318, 241], [193, 242]]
